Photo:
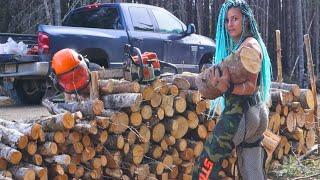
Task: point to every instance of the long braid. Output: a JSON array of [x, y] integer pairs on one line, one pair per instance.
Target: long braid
[[226, 45]]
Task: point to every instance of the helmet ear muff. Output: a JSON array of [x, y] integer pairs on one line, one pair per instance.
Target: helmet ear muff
[[80, 57]]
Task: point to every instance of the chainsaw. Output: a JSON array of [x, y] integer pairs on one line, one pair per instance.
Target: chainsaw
[[143, 68]]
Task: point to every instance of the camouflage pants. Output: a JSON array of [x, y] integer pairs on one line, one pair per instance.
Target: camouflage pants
[[218, 145]]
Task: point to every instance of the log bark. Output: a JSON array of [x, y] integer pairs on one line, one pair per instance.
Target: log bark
[[190, 77], [57, 122], [53, 108], [294, 88], [94, 85], [86, 127], [5, 175], [270, 141], [5, 101], [58, 137], [88, 154], [34, 159], [191, 96], [103, 122], [247, 63], [11, 155], [114, 159], [24, 173], [31, 130], [87, 108], [115, 142], [106, 86], [114, 86], [3, 163], [114, 173], [40, 172], [197, 147], [13, 138], [306, 99], [48, 149], [124, 100], [63, 159]]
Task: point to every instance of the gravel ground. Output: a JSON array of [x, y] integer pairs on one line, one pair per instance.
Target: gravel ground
[[22, 112]]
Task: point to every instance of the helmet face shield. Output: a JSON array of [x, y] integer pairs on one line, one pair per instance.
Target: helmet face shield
[[75, 79]]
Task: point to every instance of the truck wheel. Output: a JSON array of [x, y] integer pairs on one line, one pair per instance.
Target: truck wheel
[[94, 67], [30, 91]]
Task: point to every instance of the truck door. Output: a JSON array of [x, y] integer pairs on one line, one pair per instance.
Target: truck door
[[142, 34], [179, 49]]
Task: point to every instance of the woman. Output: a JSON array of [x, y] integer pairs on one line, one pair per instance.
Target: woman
[[236, 29]]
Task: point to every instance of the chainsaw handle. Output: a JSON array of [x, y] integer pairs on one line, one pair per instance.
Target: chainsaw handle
[[170, 66], [138, 52]]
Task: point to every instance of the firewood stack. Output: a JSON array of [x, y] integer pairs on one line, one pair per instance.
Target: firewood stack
[[292, 119], [135, 131]]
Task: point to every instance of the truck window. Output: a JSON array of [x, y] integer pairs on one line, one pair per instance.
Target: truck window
[[104, 17], [140, 19], [167, 23]]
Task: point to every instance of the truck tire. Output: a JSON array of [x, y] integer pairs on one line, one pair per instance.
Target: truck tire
[[30, 91], [94, 67]]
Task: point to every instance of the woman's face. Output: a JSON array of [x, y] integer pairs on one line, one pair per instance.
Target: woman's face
[[233, 23]]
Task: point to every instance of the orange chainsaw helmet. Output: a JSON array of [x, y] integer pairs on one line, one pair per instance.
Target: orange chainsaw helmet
[[71, 71]]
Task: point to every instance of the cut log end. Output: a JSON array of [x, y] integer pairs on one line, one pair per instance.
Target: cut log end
[[22, 142], [68, 120], [15, 157]]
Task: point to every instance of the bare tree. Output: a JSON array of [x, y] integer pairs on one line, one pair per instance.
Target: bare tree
[[199, 8], [299, 39], [57, 12]]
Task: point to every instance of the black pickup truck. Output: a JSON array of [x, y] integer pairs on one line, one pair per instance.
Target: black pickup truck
[[100, 31]]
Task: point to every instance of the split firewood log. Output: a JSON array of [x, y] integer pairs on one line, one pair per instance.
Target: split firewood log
[[3, 163], [22, 173], [294, 88], [306, 99], [5, 175], [87, 108], [57, 122], [242, 63], [13, 138], [190, 77], [40, 172], [113, 86], [11, 155], [30, 129]]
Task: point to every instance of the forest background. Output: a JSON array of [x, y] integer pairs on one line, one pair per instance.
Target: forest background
[[294, 19]]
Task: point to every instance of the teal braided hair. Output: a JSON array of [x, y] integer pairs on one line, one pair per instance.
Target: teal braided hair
[[226, 45]]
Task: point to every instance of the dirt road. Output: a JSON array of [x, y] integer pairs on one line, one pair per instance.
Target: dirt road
[[22, 112]]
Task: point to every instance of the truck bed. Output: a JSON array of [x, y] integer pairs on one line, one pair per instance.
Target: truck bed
[[29, 39]]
